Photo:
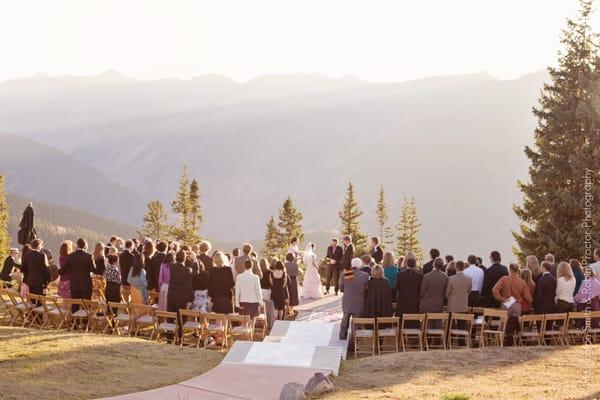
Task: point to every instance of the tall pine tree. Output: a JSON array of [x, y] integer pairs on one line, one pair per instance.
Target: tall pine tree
[[4, 237], [195, 209], [349, 217], [407, 231], [271, 247], [381, 211], [566, 151], [188, 211], [155, 221], [290, 224]]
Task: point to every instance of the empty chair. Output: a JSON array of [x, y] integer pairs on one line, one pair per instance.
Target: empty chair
[[142, 319], [436, 327], [363, 331], [20, 309], [412, 338], [554, 329], [388, 333], [81, 316], [166, 325], [261, 326], [192, 325], [120, 317], [460, 330], [493, 328], [98, 316], [216, 326], [240, 327], [530, 329], [576, 329], [58, 315], [37, 305]]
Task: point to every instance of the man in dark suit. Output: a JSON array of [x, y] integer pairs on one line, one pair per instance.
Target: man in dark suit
[[206, 260], [408, 289], [79, 265], [491, 276], [376, 250], [153, 269], [335, 253], [348, 256], [545, 291], [428, 267], [9, 265], [111, 243], [126, 261], [35, 268]]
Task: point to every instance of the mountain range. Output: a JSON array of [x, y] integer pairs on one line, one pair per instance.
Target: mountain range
[[107, 144]]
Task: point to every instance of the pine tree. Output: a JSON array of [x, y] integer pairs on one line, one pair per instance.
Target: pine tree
[[271, 247], [407, 231], [184, 228], [195, 210], [385, 232], [349, 216], [4, 236], [155, 221], [566, 152], [290, 224]]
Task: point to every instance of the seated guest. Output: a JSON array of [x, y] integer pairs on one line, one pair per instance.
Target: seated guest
[[428, 267], [476, 275], [433, 289], [390, 271], [248, 295], [379, 295], [588, 297], [181, 291], [9, 266], [510, 291], [353, 298], [577, 274], [458, 290], [163, 280], [491, 276], [220, 285], [138, 281], [112, 274], [79, 265], [527, 306], [279, 289], [366, 264], [35, 268], [291, 269], [204, 258], [545, 291], [200, 286], [565, 286]]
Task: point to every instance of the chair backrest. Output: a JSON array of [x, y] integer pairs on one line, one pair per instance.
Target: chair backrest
[[413, 317], [493, 313], [142, 309], [215, 319], [559, 317], [125, 295], [580, 315], [122, 308], [238, 320], [35, 298], [190, 315], [15, 297], [164, 315], [367, 323], [393, 321], [92, 306], [462, 317]]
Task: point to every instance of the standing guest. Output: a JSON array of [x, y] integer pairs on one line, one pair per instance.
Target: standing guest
[[533, 265], [347, 256], [449, 258], [577, 274], [265, 285], [279, 289], [458, 290], [248, 295], [204, 258], [10, 264], [99, 258], [111, 243], [376, 250], [181, 291], [35, 268], [545, 291], [163, 280], [112, 292], [126, 261], [480, 264], [153, 267], [291, 269], [220, 285], [200, 286], [526, 275], [491, 276], [138, 280], [64, 284], [408, 288], [476, 275], [565, 287], [451, 268], [390, 271], [294, 249], [238, 263], [366, 264], [428, 267], [79, 265], [550, 258], [379, 295], [235, 253], [335, 254], [596, 265], [353, 298], [588, 297], [401, 263], [120, 246], [433, 289]]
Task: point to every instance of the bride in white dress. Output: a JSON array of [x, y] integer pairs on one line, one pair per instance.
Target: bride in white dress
[[311, 288]]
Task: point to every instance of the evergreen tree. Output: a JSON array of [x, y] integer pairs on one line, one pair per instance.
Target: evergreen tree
[[566, 152], [290, 224], [184, 229], [349, 216], [271, 247], [4, 236], [195, 210], [385, 232], [407, 231], [155, 221]]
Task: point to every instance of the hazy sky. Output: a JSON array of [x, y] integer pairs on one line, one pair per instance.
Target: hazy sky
[[374, 40]]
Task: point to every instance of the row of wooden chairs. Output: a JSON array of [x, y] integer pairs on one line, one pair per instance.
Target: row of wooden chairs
[[461, 330]]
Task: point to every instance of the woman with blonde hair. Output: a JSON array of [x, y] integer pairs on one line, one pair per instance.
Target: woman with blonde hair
[[64, 285], [526, 275], [220, 285], [533, 265], [390, 270], [565, 286]]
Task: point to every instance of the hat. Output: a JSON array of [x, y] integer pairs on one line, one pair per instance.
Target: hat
[[356, 262], [14, 249]]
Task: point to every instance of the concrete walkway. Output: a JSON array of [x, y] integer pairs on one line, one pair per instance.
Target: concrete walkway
[[293, 352]]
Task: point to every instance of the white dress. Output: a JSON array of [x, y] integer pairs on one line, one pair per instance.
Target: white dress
[[311, 287]]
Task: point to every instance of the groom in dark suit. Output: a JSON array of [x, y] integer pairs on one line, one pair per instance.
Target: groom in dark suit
[[334, 258]]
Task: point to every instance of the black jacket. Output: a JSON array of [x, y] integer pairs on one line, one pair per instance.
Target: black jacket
[[79, 265], [336, 254], [220, 283], [427, 267], [35, 269], [377, 254], [181, 289], [153, 270], [408, 289], [347, 257], [125, 263], [545, 290], [490, 277], [9, 264]]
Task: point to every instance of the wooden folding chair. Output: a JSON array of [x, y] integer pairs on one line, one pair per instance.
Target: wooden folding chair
[[261, 326], [241, 327], [460, 330], [99, 316], [120, 317], [388, 332], [125, 295], [554, 328], [216, 325], [164, 326], [594, 331], [153, 296], [38, 311], [142, 319], [494, 327], [99, 288], [363, 332], [436, 328], [478, 322], [192, 325], [21, 308], [6, 305], [81, 316], [576, 329], [58, 315], [409, 334], [530, 332]]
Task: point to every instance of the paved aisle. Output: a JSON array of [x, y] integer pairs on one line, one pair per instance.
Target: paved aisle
[[293, 352]]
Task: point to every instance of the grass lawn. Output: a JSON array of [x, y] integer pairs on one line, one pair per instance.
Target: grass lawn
[[509, 373], [38, 364]]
